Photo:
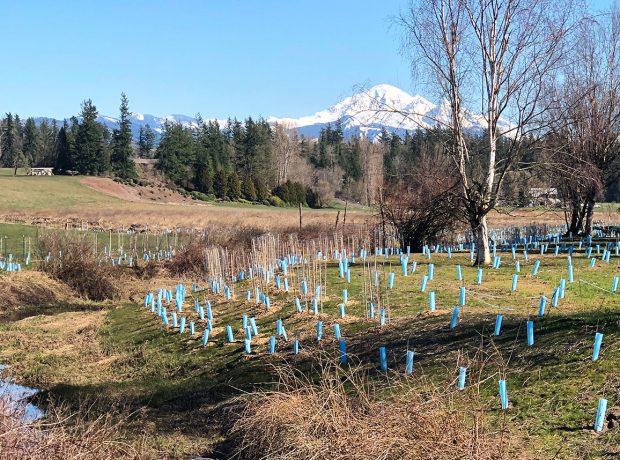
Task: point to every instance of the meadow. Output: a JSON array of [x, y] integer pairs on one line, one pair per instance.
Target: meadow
[[167, 394], [120, 354], [101, 202], [80, 202]]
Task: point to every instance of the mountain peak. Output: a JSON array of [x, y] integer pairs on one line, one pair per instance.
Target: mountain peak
[[382, 106], [385, 89]]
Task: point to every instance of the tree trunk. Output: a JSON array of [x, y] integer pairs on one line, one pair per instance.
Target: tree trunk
[[574, 228], [481, 234], [589, 214]]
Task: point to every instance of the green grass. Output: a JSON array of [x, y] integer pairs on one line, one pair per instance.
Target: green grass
[[30, 193], [553, 386], [13, 237], [33, 193]]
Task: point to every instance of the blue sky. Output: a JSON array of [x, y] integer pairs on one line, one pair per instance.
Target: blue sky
[[219, 58]]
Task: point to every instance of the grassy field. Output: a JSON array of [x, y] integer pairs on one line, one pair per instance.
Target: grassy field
[[54, 200], [121, 355], [30, 193], [59, 198], [115, 354]]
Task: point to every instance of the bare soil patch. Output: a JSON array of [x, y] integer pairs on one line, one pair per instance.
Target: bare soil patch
[[157, 192]]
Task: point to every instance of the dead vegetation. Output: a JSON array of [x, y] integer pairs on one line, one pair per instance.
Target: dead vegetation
[[62, 435], [345, 415], [23, 290], [71, 259]]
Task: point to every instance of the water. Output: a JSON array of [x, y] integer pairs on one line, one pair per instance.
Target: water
[[17, 396]]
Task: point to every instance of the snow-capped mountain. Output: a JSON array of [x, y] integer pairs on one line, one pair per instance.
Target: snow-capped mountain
[[364, 113], [383, 106], [138, 120]]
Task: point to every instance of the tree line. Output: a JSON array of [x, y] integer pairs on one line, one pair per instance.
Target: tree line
[[258, 162], [81, 146]]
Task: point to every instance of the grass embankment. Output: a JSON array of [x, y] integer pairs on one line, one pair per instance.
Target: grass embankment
[[21, 194], [122, 356]]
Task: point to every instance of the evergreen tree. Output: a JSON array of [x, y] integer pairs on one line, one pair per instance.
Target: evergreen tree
[[19, 130], [62, 151], [12, 154], [262, 192], [204, 178], [235, 136], [175, 154], [248, 189], [90, 147], [8, 146], [220, 183], [47, 135], [234, 186], [349, 161], [122, 152], [146, 141], [32, 145], [305, 148], [211, 153]]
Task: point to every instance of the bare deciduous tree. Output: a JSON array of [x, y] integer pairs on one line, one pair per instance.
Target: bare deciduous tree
[[584, 151], [286, 147], [372, 163], [499, 52], [423, 206]]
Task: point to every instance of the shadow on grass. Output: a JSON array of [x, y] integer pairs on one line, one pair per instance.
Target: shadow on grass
[[49, 309], [184, 388]]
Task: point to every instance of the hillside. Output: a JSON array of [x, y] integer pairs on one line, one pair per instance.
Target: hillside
[[103, 203]]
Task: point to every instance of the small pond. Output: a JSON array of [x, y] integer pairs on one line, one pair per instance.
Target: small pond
[[18, 396]]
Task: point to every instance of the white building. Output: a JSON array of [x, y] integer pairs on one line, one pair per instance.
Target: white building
[[41, 172]]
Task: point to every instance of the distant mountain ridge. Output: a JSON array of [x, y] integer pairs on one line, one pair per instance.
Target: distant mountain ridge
[[365, 113]]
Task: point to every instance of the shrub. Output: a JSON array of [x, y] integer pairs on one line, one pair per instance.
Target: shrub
[[189, 260], [424, 208], [147, 271], [248, 189], [295, 193], [73, 261], [202, 196], [275, 201]]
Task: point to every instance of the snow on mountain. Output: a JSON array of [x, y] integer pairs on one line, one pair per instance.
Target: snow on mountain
[[383, 106], [364, 113], [138, 120]]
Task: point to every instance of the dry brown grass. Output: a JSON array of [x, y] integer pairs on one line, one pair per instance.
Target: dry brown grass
[[63, 436], [72, 261], [343, 416], [161, 216], [22, 290]]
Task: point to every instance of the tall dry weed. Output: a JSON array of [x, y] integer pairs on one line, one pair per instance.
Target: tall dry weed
[[345, 415], [62, 435], [71, 259]]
